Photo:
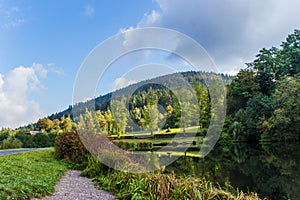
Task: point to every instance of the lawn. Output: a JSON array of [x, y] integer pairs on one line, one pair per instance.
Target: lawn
[[192, 129], [30, 174]]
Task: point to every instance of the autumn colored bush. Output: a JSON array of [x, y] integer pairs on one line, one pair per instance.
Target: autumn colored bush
[[68, 146]]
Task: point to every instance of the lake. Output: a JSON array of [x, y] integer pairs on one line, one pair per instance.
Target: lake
[[273, 171]]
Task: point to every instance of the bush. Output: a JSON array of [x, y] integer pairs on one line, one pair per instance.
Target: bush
[[41, 140], [135, 146], [52, 138], [145, 146], [68, 146], [11, 143], [3, 136], [26, 139]]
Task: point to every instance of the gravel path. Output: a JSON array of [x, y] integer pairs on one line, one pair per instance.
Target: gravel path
[[74, 187]]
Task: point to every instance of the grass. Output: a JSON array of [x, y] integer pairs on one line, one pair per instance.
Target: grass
[[160, 186], [174, 145], [27, 175], [195, 154], [162, 140], [192, 129]]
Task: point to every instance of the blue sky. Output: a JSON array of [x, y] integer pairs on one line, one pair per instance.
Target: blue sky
[[44, 43]]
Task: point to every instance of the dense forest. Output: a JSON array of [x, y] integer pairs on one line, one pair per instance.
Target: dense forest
[[263, 104], [263, 100]]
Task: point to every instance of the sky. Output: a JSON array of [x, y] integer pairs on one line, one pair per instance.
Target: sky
[[43, 44]]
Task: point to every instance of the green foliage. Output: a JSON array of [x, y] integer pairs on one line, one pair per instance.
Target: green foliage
[[163, 186], [204, 104], [248, 122], [120, 114], [29, 175], [64, 124], [44, 125], [11, 143], [273, 64], [263, 99], [102, 122], [67, 124], [135, 145], [284, 123], [225, 139], [157, 186], [39, 140], [4, 134], [151, 117], [141, 99], [188, 108], [93, 168], [68, 146], [242, 88]]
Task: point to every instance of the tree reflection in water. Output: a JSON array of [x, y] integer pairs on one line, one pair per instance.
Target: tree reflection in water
[[272, 171]]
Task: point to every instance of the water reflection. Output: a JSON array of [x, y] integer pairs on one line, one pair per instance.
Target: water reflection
[[272, 171]]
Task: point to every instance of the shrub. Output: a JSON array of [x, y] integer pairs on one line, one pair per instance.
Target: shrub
[[135, 146], [41, 140], [68, 146], [11, 143], [145, 146], [26, 139], [3, 136]]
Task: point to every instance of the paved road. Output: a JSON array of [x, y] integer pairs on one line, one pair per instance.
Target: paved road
[[14, 151]]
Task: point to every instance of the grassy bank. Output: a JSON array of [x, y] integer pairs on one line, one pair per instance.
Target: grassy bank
[[165, 186], [29, 174], [159, 186], [126, 185]]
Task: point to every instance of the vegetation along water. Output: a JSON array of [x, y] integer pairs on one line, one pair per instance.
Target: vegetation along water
[[256, 151]]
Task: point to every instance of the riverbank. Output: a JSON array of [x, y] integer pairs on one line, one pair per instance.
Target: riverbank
[[36, 174], [158, 185]]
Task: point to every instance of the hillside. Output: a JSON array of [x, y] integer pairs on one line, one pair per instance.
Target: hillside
[[102, 101]]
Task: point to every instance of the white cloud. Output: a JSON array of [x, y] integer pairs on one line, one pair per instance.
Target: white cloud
[[232, 31], [40, 70], [52, 68], [122, 82], [89, 11], [16, 106], [153, 18], [10, 17]]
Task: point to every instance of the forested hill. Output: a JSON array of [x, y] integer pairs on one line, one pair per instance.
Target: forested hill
[[191, 77]]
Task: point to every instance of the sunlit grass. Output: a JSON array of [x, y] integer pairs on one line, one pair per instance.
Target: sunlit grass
[[195, 154], [192, 129], [162, 186], [31, 174]]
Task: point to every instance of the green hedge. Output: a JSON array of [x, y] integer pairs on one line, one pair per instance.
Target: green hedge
[[135, 146]]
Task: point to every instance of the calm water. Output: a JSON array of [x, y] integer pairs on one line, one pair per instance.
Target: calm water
[[272, 171]]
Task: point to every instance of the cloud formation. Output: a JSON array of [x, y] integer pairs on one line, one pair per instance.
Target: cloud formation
[[16, 108], [232, 31], [122, 82], [11, 16]]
